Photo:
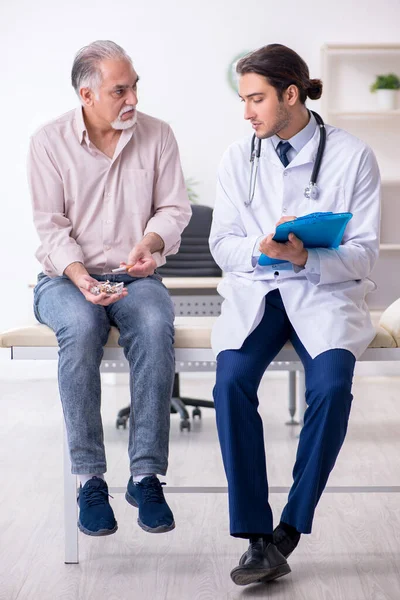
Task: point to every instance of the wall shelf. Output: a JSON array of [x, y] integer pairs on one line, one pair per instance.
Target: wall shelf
[[360, 49], [365, 114], [348, 70], [389, 248], [391, 180]]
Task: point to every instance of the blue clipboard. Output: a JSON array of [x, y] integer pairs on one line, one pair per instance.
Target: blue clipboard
[[316, 230]]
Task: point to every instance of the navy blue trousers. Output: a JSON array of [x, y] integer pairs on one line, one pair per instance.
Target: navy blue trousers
[[328, 395]]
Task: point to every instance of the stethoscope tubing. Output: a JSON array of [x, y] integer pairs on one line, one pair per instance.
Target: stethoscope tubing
[[255, 152]]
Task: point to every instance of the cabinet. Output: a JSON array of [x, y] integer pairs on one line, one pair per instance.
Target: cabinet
[[347, 73]]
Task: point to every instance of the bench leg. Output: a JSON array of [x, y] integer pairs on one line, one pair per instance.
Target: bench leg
[[301, 395], [70, 509]]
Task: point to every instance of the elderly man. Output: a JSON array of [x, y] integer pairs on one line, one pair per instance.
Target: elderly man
[[107, 189]]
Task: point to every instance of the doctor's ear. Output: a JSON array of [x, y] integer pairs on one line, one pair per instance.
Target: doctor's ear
[[292, 94]]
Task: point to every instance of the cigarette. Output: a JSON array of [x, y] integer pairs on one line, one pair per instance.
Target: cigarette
[[121, 269]]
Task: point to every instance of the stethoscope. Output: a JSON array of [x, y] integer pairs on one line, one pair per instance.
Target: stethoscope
[[311, 191]]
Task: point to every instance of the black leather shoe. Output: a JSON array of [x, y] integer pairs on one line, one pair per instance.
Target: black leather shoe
[[262, 562], [284, 542]]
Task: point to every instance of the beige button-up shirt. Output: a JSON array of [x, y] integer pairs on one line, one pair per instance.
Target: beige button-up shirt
[[93, 209]]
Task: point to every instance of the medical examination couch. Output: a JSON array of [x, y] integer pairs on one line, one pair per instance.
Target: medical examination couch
[[193, 353]]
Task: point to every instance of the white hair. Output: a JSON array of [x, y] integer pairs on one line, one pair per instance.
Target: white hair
[[85, 70]]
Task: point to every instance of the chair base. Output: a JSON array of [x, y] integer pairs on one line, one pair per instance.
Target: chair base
[[178, 405]]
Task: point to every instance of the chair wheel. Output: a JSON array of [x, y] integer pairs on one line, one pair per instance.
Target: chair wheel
[[121, 422], [196, 412], [184, 424]]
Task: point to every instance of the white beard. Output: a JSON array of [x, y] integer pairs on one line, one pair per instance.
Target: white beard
[[119, 124]]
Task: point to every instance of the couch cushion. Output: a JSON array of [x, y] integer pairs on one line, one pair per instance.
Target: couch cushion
[[382, 339], [390, 321], [190, 332]]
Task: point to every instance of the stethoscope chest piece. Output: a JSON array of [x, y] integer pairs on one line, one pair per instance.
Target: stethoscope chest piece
[[311, 192]]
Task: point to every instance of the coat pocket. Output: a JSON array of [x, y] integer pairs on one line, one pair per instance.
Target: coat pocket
[[330, 199]]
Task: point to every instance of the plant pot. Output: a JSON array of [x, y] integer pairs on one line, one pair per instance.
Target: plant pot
[[387, 99]]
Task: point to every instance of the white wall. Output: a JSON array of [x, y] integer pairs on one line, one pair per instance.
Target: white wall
[[181, 50]]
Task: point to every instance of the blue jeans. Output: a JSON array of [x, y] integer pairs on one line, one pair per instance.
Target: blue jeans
[[145, 320], [328, 395]]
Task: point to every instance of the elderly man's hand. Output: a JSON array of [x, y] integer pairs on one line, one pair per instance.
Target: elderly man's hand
[[85, 283], [292, 250], [140, 261], [78, 274]]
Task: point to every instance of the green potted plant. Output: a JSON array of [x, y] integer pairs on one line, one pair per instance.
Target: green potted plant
[[193, 196], [386, 87]]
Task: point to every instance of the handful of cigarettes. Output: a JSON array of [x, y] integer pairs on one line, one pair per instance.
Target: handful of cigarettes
[[105, 287]]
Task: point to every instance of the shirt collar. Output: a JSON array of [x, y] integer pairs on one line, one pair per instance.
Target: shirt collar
[[83, 135], [80, 124], [301, 138]]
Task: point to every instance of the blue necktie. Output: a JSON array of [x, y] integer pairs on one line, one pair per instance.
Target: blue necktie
[[283, 148]]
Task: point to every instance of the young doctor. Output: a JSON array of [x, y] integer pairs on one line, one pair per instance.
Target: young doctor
[[316, 300]]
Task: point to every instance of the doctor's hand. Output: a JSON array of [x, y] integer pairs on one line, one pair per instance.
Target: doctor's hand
[[292, 250], [285, 220]]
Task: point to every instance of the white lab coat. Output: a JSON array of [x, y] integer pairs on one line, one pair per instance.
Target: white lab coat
[[325, 302]]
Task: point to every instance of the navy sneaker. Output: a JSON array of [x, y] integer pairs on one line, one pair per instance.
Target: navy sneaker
[[155, 516], [96, 516]]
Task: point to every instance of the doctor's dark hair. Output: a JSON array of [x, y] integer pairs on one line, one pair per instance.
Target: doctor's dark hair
[[282, 67]]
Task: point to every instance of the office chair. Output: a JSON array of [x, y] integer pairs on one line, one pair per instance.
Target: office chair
[[192, 260]]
